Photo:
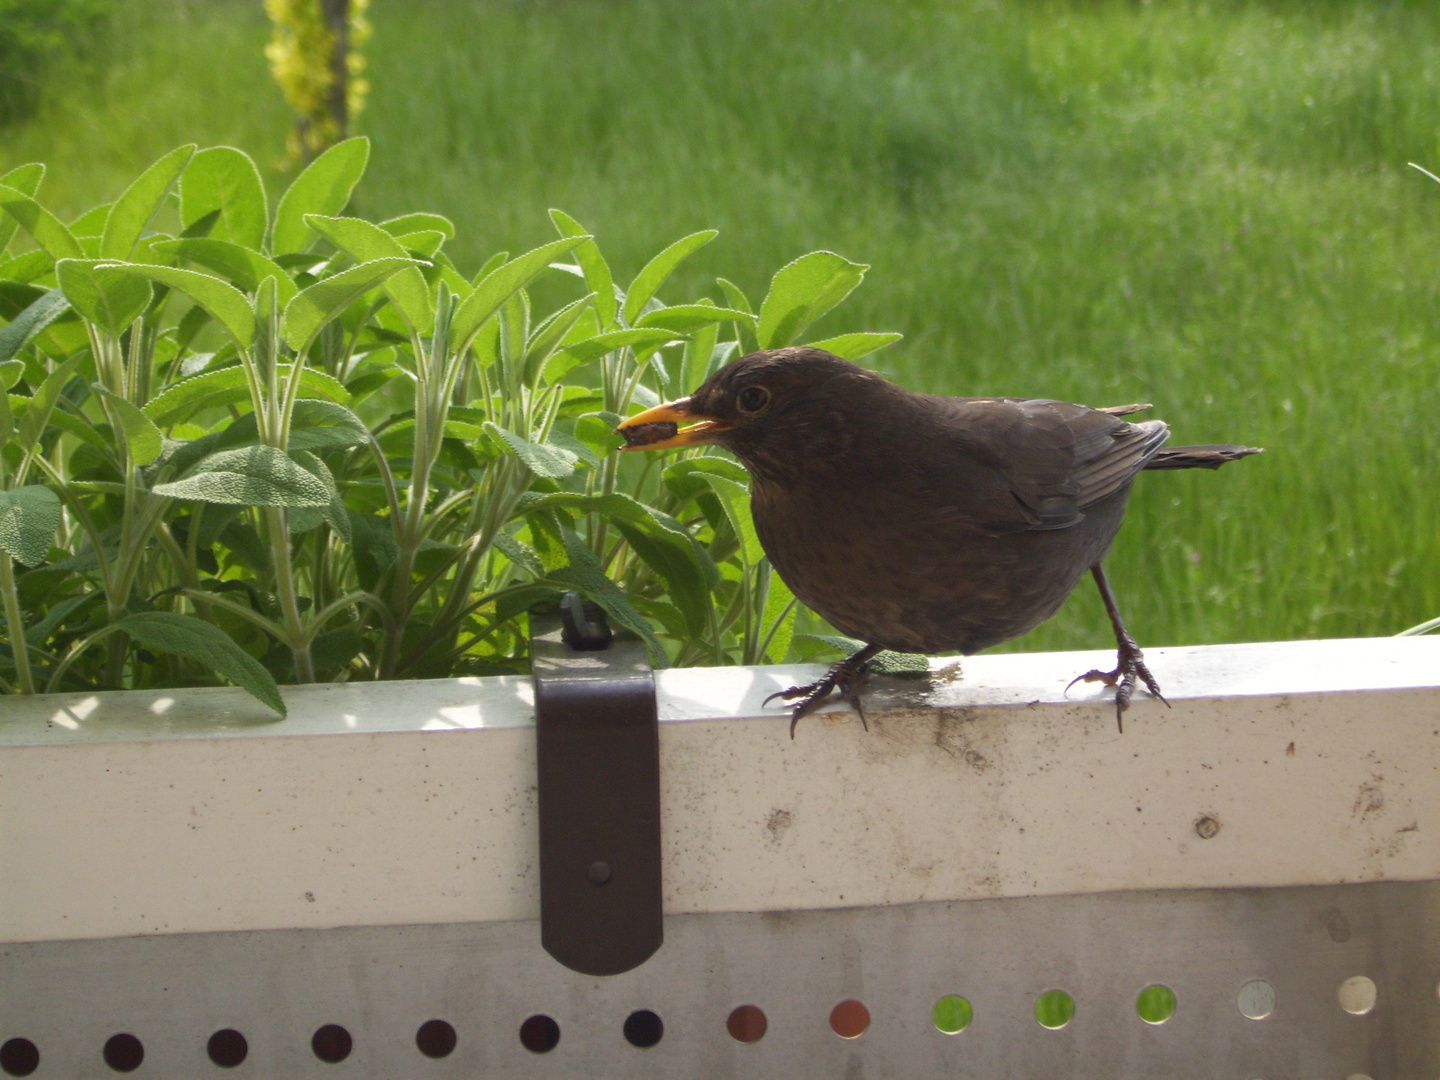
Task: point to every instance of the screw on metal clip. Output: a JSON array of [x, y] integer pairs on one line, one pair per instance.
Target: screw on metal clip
[[583, 625]]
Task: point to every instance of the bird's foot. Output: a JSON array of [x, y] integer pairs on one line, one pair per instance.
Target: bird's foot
[[847, 677], [1129, 670]]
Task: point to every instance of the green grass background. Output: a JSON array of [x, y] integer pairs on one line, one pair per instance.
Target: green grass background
[[1203, 205]]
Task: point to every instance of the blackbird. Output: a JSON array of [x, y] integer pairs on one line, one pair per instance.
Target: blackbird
[[917, 522]]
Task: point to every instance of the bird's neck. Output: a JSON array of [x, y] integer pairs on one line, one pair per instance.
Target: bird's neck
[[819, 459]]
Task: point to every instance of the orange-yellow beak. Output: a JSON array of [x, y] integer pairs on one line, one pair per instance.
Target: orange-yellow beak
[[659, 428]]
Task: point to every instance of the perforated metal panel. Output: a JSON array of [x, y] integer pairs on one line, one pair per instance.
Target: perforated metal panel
[[1211, 948]]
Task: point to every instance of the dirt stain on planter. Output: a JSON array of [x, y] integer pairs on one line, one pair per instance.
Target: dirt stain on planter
[[778, 823]]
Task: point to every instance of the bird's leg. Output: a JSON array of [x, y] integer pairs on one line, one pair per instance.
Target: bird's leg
[[1131, 663], [847, 677]]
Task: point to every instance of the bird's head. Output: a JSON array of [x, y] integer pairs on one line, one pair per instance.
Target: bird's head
[[773, 410]]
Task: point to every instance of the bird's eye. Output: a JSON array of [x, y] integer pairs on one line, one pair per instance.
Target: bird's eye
[[752, 399]]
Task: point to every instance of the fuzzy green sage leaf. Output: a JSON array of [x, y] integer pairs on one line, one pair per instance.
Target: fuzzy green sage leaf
[[802, 291], [854, 346], [41, 312], [225, 179], [241, 265], [323, 188], [109, 298], [142, 437], [132, 212], [224, 301], [317, 305], [647, 283], [46, 229], [492, 291], [29, 517], [249, 476], [539, 458], [195, 639]]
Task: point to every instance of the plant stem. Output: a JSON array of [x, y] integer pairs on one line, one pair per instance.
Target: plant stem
[[277, 526], [74, 654], [184, 563], [16, 625], [507, 484]]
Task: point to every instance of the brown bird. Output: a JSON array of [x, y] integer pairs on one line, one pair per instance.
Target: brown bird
[[917, 522]]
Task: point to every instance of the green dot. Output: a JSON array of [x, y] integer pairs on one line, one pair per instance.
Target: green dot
[[1156, 1004], [952, 1014], [1054, 1009]]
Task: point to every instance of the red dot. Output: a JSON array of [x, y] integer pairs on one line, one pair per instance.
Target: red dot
[[850, 1019], [747, 1024]]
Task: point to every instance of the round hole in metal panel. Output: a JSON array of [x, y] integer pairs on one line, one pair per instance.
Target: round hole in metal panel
[[952, 1014], [1357, 995], [332, 1043], [227, 1048], [1156, 1004], [123, 1052], [1256, 999], [644, 1029], [1054, 1009], [436, 1039], [539, 1034], [747, 1023], [19, 1057], [850, 1019], [600, 873]]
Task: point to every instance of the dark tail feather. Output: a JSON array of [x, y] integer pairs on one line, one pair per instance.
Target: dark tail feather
[[1198, 457]]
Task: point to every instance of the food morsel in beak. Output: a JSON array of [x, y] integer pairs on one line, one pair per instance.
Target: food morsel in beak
[[659, 428]]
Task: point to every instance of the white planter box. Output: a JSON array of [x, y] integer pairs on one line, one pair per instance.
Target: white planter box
[[413, 802], [404, 804]]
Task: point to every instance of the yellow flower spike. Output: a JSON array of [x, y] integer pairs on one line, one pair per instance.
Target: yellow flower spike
[[302, 58]]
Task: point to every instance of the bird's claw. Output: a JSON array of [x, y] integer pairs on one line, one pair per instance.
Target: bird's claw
[[1129, 669], [846, 677]]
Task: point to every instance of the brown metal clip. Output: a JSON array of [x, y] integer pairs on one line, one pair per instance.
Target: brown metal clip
[[598, 757]]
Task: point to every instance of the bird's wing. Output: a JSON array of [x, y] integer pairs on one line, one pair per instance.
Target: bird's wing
[[1123, 410], [1009, 464]]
